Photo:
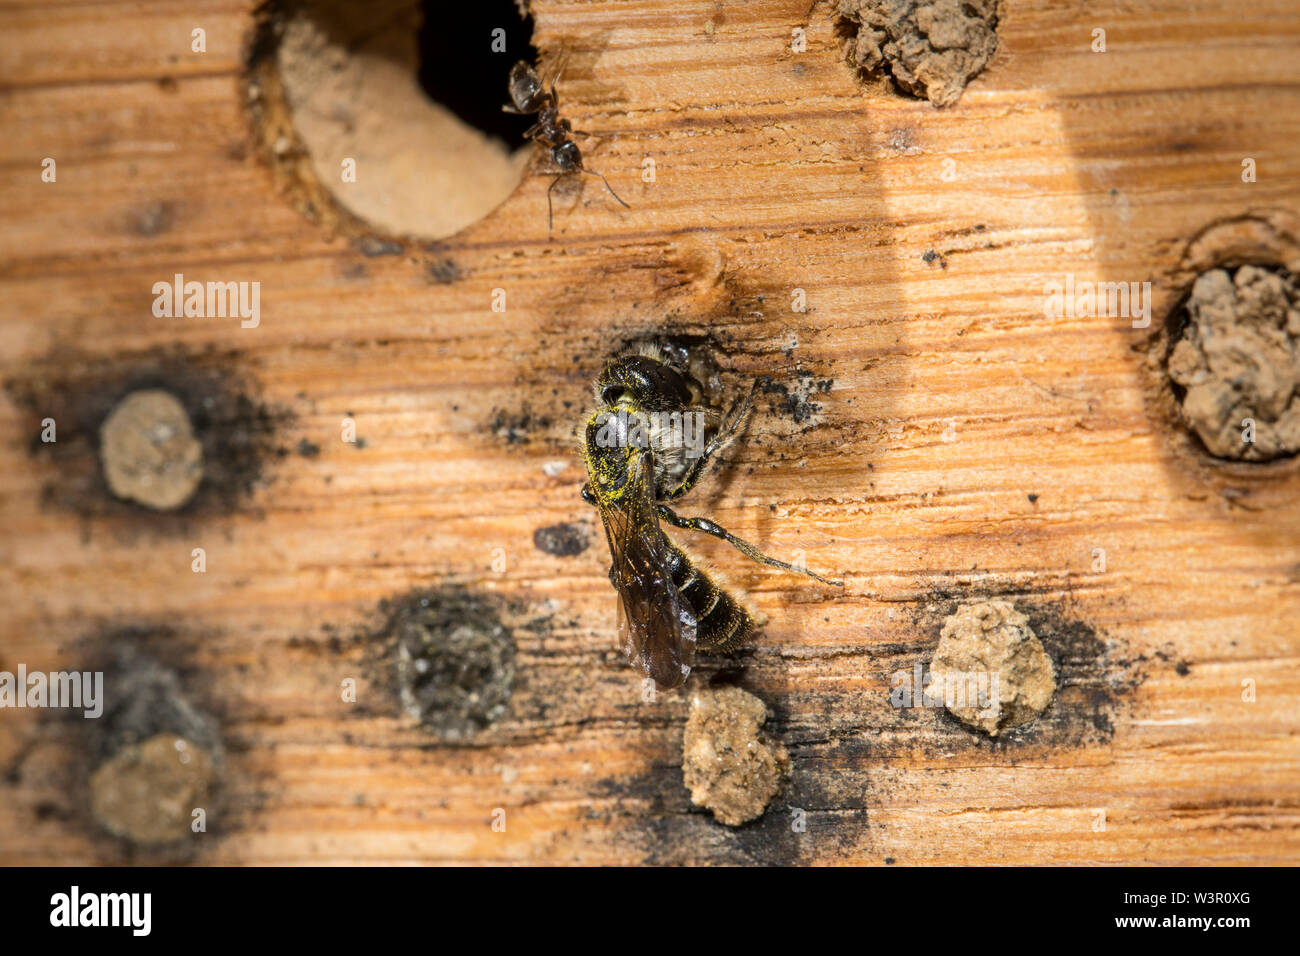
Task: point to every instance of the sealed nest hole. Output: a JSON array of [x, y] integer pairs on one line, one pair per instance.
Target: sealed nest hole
[[1234, 361], [155, 756], [385, 117], [929, 49], [165, 434], [451, 657]]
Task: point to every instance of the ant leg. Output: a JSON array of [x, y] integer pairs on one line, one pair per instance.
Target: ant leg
[[568, 128], [550, 210], [592, 172], [744, 547], [730, 429]]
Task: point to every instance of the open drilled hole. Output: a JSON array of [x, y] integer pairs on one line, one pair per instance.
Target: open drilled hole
[[385, 117]]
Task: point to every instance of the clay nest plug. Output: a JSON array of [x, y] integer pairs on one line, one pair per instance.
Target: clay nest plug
[[929, 48], [1237, 362], [729, 765], [992, 668], [159, 757], [149, 452]]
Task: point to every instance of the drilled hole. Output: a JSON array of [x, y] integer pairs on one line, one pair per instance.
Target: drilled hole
[[385, 117]]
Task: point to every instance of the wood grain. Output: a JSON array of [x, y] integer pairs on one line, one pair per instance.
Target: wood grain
[[967, 446]]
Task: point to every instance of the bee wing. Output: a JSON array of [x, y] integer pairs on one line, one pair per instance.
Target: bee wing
[[656, 623]]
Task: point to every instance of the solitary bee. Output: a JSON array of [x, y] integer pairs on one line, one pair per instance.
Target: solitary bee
[[647, 444], [531, 94]]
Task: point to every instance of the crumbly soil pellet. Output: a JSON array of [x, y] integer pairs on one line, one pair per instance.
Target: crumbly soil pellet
[[728, 764], [149, 452], [147, 792], [990, 645], [930, 48], [1238, 360]]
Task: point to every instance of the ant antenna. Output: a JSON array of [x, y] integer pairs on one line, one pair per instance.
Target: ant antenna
[[592, 172], [550, 213]]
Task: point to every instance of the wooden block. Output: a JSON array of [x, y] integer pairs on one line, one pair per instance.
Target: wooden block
[[940, 440]]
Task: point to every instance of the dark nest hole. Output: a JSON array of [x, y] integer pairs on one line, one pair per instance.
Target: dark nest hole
[[464, 62]]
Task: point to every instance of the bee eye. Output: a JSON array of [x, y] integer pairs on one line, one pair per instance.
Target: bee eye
[[611, 394]]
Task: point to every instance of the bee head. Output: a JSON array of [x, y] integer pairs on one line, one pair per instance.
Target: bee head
[[642, 382]]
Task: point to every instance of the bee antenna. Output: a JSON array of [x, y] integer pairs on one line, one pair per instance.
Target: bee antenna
[[592, 172]]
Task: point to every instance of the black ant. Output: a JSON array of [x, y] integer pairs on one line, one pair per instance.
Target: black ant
[[531, 94]]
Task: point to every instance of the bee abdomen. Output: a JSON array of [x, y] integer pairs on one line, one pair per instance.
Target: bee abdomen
[[721, 621]]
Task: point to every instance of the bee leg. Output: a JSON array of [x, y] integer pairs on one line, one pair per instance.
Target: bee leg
[[588, 495], [744, 547], [730, 429]]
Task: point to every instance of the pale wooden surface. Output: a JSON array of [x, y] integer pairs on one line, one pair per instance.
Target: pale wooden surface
[[774, 171]]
